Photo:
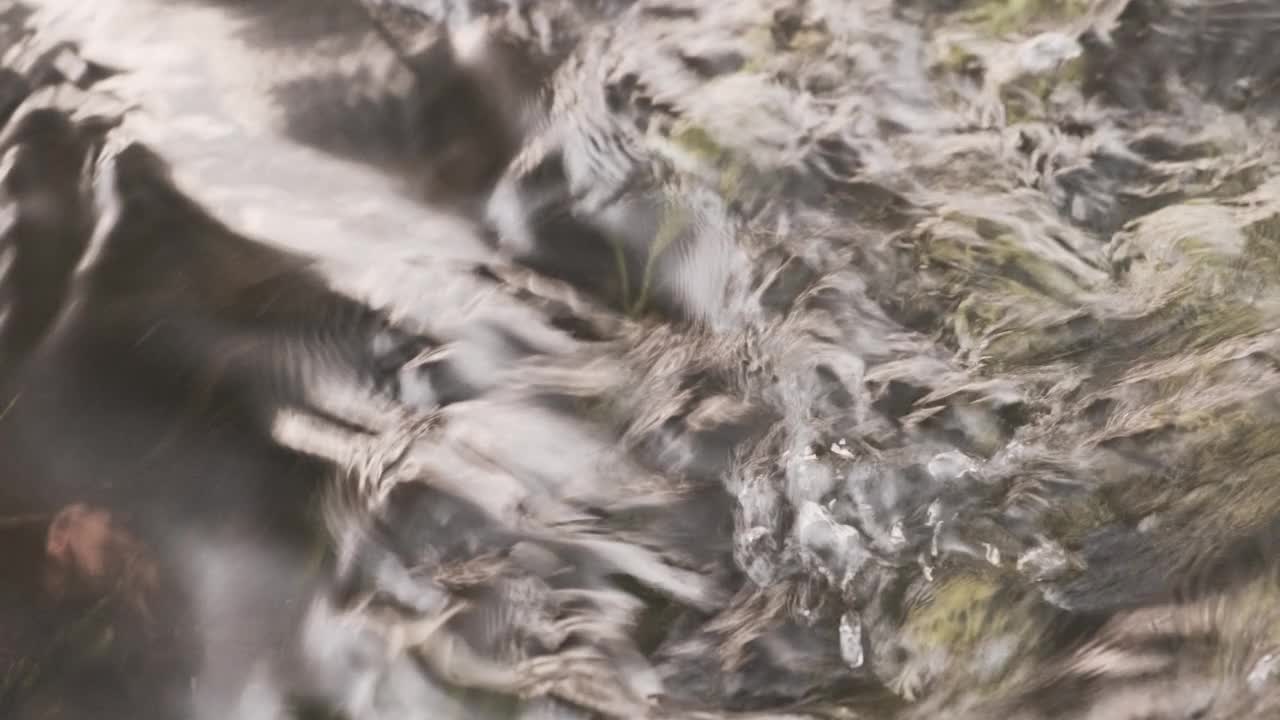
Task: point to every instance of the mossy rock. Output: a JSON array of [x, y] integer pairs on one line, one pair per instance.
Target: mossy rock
[[1027, 97], [969, 627], [696, 141], [1005, 17], [1072, 519]]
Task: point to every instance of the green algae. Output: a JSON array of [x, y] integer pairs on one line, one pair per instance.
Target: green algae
[[696, 141], [1071, 520], [675, 221], [1004, 17], [956, 614], [971, 625], [956, 59], [1011, 303], [1026, 97]]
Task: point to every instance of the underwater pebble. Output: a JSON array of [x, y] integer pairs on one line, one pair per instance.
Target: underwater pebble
[[851, 640], [808, 479], [815, 530], [950, 465], [1044, 562], [752, 553], [1263, 672]]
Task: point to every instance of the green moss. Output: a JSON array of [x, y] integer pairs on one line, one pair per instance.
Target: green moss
[[968, 615], [1262, 247], [810, 39], [1025, 98], [1012, 303], [674, 222], [957, 613], [1236, 461], [956, 60], [755, 64], [1190, 322], [1024, 345], [1003, 17], [698, 142], [1004, 307], [1071, 519], [731, 181]]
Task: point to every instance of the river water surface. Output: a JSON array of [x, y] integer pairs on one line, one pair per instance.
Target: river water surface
[[755, 358]]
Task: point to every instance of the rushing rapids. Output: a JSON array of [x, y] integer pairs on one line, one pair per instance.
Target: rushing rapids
[[639, 359]]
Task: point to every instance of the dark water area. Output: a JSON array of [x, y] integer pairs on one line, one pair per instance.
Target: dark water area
[[846, 359]]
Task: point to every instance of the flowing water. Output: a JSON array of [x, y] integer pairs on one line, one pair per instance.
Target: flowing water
[[670, 359]]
